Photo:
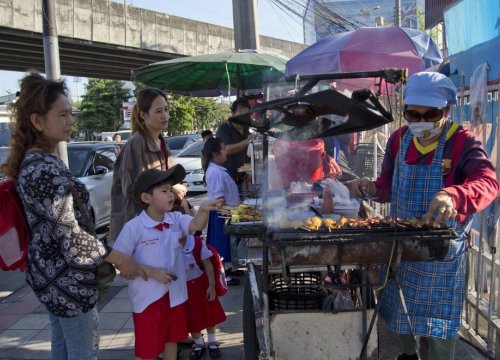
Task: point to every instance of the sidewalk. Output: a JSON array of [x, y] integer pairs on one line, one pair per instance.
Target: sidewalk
[[25, 329]]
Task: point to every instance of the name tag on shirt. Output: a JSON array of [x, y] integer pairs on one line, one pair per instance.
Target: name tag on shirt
[[147, 242]]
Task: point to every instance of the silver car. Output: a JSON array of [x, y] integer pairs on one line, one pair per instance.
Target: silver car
[[92, 163], [178, 143], [190, 159]]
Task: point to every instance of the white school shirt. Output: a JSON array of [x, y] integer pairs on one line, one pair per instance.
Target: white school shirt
[[159, 249], [193, 271], [221, 184]]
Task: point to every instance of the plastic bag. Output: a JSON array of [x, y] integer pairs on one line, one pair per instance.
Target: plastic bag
[[341, 194], [479, 97]]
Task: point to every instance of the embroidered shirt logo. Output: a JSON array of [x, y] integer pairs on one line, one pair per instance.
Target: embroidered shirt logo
[[445, 166]]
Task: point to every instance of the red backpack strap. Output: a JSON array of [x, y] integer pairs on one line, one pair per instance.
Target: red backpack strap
[[198, 241]]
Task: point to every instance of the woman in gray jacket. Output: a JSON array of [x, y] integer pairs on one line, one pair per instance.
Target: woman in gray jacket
[[146, 149]]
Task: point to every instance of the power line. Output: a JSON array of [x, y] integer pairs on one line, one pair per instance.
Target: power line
[[320, 10], [282, 19]]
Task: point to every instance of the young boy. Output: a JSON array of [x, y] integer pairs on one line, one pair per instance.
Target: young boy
[[154, 239]]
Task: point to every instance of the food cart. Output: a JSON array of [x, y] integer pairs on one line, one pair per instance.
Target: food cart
[[285, 315]]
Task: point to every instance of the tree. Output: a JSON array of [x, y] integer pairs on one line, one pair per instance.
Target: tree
[[101, 106], [210, 113], [195, 114], [433, 33], [189, 114], [182, 114]]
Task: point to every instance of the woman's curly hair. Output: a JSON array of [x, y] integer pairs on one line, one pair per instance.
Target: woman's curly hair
[[37, 96]]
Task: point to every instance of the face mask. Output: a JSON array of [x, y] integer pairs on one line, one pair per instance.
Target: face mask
[[425, 130]]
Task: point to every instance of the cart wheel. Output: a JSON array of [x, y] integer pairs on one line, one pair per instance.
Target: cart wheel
[[251, 345]]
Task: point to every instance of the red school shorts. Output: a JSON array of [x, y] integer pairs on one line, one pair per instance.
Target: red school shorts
[[158, 324], [201, 313]]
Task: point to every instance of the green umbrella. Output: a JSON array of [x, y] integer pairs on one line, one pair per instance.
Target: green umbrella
[[210, 74]]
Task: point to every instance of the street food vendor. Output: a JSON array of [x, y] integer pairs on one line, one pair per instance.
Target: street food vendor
[[435, 170], [236, 139]]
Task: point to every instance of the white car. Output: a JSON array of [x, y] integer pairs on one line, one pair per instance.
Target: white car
[[179, 143], [92, 163], [190, 159]]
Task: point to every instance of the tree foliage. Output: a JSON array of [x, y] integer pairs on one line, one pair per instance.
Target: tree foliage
[[101, 106], [195, 114]]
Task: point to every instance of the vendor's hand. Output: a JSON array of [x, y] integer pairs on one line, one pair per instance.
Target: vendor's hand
[[179, 191], [211, 293], [362, 188], [163, 276], [212, 205], [333, 169], [442, 207]]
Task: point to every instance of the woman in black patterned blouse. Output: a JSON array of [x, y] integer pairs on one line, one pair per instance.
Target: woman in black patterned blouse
[[62, 256]]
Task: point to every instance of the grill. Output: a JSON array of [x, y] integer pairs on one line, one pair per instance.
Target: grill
[[350, 246], [360, 235], [255, 230], [358, 246]]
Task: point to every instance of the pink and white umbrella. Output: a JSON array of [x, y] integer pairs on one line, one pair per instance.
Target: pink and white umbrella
[[367, 49]]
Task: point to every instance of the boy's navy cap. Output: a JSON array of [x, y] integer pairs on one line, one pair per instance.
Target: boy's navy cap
[[153, 177]]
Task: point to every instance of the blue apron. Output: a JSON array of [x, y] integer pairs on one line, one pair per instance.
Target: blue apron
[[434, 291]]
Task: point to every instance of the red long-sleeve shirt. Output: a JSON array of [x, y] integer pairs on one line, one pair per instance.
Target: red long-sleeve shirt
[[468, 175]]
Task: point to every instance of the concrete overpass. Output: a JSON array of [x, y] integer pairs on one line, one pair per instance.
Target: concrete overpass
[[104, 39]]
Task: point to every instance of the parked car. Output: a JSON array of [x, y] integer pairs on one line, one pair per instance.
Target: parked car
[[92, 163], [180, 142], [108, 135], [4, 153], [5, 132], [190, 159]]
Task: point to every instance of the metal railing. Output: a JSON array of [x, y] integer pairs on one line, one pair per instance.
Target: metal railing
[[481, 321]]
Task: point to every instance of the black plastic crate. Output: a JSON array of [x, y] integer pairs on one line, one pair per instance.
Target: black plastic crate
[[309, 296], [363, 157]]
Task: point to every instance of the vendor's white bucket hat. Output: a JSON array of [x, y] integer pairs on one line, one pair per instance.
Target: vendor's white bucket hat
[[430, 89]]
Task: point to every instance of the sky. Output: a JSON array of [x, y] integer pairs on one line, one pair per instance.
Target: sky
[[271, 22]]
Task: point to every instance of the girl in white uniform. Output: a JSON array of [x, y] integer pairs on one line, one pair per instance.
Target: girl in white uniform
[[220, 185]]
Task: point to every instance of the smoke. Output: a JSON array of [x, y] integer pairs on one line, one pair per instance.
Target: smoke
[[276, 208]]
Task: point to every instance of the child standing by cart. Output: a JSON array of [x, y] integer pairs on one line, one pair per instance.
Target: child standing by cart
[[220, 185], [154, 239], [203, 309]]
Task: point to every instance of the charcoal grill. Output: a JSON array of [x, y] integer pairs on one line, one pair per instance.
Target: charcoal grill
[[357, 246]]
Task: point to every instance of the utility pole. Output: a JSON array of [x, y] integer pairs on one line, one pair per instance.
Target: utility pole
[[51, 56], [397, 13], [304, 20], [246, 34]]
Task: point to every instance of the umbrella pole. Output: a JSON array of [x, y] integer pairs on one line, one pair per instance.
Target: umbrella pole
[[228, 82], [238, 80]]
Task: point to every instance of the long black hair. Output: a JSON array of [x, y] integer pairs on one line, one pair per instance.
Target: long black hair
[[212, 146]]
